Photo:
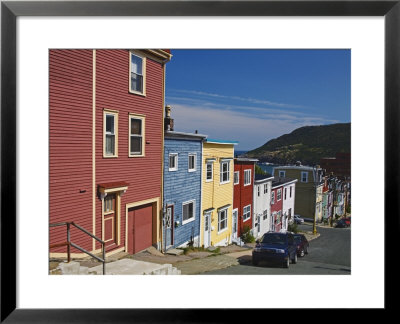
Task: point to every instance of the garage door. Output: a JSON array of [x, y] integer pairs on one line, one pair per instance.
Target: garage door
[[140, 231]]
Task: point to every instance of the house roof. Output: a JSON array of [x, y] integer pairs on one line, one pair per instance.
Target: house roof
[[260, 178], [217, 141], [277, 182], [184, 135], [245, 160]]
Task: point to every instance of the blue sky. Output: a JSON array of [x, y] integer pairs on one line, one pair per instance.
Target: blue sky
[[252, 96]]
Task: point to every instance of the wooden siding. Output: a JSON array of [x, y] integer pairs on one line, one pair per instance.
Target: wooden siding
[[71, 154], [70, 160], [216, 195], [181, 186], [143, 174], [243, 195]]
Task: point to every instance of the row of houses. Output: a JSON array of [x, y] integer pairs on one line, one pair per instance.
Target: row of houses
[[320, 194], [119, 170], [212, 198]]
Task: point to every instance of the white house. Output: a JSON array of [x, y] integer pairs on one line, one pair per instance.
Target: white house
[[262, 204]]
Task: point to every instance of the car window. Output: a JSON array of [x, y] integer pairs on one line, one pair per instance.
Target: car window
[[274, 239]]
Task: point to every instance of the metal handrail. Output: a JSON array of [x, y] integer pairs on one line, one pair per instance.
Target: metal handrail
[[69, 243]]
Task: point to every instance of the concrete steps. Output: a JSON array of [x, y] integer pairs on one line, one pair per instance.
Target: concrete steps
[[119, 267]]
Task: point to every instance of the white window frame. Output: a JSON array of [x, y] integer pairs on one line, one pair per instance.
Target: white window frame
[[143, 74], [219, 220], [285, 193], [265, 188], [194, 211], [107, 112], [246, 211], [306, 176], [221, 173], [258, 191], [282, 174], [247, 177], [265, 214], [142, 118], [175, 168], [194, 155], [279, 194], [272, 197], [212, 171], [236, 176], [290, 192]]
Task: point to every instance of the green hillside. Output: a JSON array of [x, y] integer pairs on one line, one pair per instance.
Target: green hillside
[[306, 144]]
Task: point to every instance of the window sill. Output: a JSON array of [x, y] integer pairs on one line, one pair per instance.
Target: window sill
[[188, 221], [223, 230], [136, 155], [192, 170], [245, 220], [172, 169], [138, 93], [222, 183], [209, 180], [110, 156]]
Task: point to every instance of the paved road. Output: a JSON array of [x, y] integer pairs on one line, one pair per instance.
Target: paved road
[[329, 254]]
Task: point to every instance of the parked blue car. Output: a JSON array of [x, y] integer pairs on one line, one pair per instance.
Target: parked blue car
[[277, 248]]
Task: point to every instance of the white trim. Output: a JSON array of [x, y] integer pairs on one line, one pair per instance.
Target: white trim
[[301, 178], [195, 162], [238, 177], [194, 211], [244, 181], [219, 212], [135, 53], [228, 171], [277, 194], [245, 220], [212, 171], [143, 121], [176, 162]]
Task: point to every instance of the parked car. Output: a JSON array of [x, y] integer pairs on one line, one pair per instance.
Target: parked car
[[275, 248], [302, 244], [298, 219], [347, 220], [341, 224]]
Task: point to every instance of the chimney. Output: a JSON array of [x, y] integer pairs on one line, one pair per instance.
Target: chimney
[[168, 121]]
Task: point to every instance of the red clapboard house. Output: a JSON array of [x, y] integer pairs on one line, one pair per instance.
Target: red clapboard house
[[106, 144], [276, 205], [243, 184]]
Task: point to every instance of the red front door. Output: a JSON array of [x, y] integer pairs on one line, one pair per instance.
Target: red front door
[[140, 229]]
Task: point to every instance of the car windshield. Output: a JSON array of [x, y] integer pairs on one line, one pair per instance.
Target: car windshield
[[274, 239], [297, 239]]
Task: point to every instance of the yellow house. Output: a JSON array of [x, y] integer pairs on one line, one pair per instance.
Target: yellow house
[[217, 193]]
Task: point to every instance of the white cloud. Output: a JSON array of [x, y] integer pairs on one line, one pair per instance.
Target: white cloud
[[250, 130]]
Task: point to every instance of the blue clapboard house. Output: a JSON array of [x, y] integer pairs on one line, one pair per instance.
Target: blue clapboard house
[[182, 189]]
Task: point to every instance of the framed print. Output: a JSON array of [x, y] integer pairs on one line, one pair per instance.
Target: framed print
[[30, 28]]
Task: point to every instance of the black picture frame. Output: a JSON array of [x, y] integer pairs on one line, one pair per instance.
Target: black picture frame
[[10, 10]]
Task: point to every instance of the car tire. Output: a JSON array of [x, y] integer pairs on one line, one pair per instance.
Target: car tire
[[294, 260], [286, 264]]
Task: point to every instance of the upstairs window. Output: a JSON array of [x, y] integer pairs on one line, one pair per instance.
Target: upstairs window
[[209, 171], [246, 212], [282, 174], [279, 194], [224, 172], [236, 177], [138, 76], [136, 137], [304, 177], [285, 193], [290, 192], [272, 197], [173, 162], [192, 162], [247, 177], [110, 133]]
